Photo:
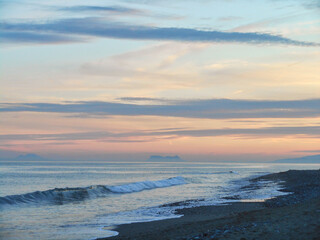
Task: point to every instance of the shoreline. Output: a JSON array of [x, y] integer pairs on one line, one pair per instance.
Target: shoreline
[[293, 216]]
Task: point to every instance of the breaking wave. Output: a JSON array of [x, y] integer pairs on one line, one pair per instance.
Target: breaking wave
[[61, 196]]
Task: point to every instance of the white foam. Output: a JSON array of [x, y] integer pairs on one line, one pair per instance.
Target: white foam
[[145, 185], [65, 195], [142, 214], [260, 191]]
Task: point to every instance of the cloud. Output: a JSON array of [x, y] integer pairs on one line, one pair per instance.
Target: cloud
[[146, 100], [147, 136], [118, 11], [98, 27], [253, 26], [55, 137], [230, 19], [105, 9], [307, 151], [312, 4], [207, 108], [144, 63], [34, 37], [253, 132]]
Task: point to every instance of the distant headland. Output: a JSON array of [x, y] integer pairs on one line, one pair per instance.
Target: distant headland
[[158, 158], [306, 159]]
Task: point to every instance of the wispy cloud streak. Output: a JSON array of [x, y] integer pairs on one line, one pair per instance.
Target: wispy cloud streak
[[107, 9], [211, 108], [140, 136], [35, 37], [98, 27]]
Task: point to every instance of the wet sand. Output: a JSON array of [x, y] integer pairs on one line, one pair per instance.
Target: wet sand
[[294, 216]]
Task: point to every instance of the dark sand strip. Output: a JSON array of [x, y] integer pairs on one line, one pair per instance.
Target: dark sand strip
[[291, 217]]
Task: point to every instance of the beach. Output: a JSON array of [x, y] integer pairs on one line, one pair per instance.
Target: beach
[[158, 201], [292, 216]]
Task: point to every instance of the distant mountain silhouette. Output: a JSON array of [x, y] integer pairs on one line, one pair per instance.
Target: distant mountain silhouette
[[306, 159], [157, 158], [29, 156]]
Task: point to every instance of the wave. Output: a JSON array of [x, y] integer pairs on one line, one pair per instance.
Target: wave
[[61, 196]]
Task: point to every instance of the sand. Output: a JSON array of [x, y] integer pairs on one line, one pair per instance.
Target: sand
[[295, 216]]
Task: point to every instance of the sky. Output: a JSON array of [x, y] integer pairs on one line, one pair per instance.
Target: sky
[[208, 80]]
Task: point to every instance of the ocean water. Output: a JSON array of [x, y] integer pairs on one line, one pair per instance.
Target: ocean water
[[85, 200]]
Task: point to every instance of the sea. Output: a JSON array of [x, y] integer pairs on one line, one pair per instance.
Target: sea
[[77, 200]]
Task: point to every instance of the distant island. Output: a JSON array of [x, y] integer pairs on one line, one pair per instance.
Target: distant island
[[157, 158], [306, 159]]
